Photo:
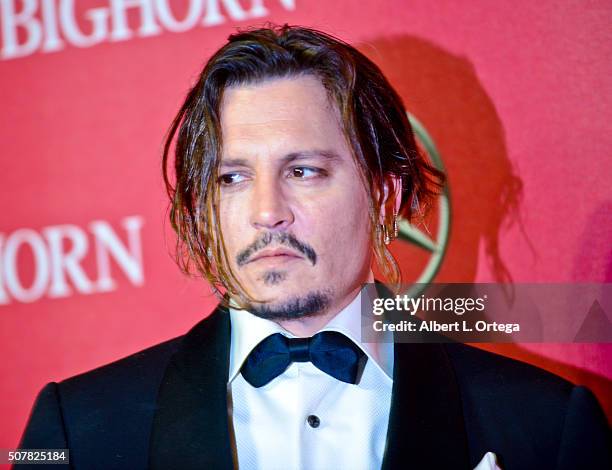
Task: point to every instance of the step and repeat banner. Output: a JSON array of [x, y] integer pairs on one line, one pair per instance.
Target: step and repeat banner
[[512, 99]]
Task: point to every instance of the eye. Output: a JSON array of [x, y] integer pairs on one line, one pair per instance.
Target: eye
[[229, 179], [305, 172]]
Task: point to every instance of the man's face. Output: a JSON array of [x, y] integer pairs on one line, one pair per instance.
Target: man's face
[[293, 209]]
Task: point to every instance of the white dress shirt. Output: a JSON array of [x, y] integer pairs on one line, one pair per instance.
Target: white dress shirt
[[270, 424]]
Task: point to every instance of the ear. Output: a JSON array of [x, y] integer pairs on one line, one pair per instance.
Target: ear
[[392, 198]]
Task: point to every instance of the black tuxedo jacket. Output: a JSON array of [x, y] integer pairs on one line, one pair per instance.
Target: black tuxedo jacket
[[166, 408]]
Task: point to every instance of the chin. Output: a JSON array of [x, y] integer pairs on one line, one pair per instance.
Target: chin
[[278, 294], [289, 306]]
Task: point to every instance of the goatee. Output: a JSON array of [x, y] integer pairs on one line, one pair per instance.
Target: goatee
[[309, 305]]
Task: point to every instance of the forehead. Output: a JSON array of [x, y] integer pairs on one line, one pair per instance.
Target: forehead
[[279, 115]]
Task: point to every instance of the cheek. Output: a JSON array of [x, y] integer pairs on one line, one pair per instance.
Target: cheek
[[229, 225], [344, 233]]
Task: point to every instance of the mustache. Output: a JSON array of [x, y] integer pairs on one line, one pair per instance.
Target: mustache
[[280, 238]]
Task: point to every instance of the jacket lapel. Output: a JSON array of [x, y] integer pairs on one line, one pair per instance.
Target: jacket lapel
[[426, 427], [190, 427]]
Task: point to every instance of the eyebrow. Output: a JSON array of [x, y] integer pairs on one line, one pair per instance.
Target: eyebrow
[[328, 155]]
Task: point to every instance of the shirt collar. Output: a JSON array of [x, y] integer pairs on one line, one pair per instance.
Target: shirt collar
[[249, 330]]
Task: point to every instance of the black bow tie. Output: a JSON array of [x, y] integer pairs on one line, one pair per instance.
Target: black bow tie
[[329, 351]]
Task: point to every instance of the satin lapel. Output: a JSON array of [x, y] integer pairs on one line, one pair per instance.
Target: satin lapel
[[190, 427], [426, 427]]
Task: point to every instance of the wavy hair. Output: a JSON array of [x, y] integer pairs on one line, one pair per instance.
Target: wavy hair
[[374, 122]]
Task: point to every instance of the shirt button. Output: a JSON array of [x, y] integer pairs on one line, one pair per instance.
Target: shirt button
[[314, 421]]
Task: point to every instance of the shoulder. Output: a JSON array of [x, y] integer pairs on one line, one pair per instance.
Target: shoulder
[[138, 375], [110, 407], [502, 387], [530, 413], [105, 415], [476, 368], [115, 394], [131, 372], [143, 367]]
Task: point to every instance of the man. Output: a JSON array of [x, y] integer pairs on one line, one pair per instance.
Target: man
[[293, 159]]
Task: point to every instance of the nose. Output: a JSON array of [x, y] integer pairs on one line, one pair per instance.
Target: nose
[[270, 208]]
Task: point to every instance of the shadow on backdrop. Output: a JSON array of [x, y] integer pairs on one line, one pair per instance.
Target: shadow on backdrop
[[443, 91]]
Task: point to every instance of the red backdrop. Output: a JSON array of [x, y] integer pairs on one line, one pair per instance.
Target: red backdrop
[[516, 96]]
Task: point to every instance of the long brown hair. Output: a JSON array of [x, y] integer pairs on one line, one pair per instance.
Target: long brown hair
[[374, 123]]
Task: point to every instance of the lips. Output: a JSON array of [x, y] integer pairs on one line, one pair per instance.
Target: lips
[[277, 253]]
